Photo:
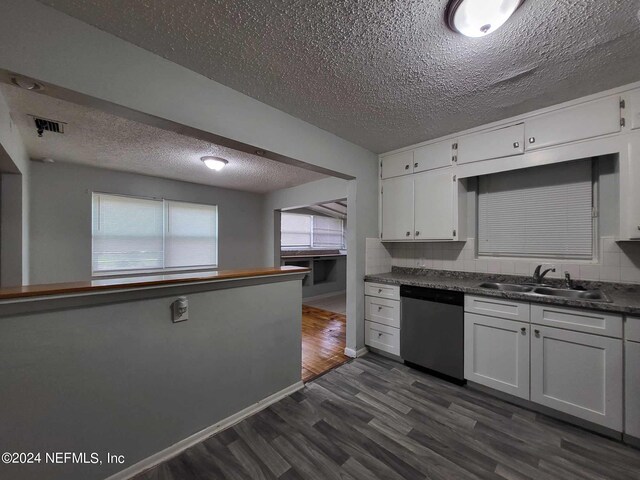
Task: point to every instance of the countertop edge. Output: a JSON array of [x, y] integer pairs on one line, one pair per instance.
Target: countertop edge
[[571, 303], [132, 283]]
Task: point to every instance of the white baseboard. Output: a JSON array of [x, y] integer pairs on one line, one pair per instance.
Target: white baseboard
[[182, 445], [350, 352]]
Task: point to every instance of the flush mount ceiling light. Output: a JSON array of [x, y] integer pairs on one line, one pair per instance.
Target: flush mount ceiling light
[[477, 18], [214, 163], [26, 83]]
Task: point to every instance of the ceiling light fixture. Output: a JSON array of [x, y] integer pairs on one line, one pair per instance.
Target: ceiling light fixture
[[477, 18], [26, 83], [214, 163]]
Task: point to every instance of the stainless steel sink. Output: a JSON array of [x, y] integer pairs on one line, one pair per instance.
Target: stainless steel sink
[[506, 287], [589, 295]]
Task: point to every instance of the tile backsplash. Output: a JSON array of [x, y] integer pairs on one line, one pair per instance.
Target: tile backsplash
[[617, 262]]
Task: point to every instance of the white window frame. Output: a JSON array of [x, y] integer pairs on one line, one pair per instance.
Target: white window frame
[[157, 271]]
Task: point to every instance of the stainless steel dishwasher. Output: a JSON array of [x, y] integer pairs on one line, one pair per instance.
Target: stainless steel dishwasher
[[432, 331]]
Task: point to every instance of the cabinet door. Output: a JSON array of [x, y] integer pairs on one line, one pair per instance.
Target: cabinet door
[[436, 155], [502, 142], [496, 353], [397, 208], [578, 374], [632, 389], [631, 113], [434, 198], [397, 164], [586, 120], [629, 191]]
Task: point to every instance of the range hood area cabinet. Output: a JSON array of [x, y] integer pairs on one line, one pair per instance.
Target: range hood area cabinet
[[426, 206]]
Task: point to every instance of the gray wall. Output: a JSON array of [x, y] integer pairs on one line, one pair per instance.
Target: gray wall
[[61, 217], [122, 378], [82, 58], [14, 202]]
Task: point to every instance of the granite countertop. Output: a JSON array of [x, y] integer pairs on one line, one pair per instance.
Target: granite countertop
[[625, 297]]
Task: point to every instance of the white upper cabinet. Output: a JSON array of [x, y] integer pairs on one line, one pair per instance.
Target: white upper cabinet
[[587, 120], [501, 142], [397, 164], [629, 191], [397, 208], [434, 198], [435, 155], [631, 112]]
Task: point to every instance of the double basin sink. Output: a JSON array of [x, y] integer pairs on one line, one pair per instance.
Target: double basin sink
[[547, 291]]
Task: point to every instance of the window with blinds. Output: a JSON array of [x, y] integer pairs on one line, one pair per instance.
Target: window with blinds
[[139, 234], [538, 212], [311, 231]]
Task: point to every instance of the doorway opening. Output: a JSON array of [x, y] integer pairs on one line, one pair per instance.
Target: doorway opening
[[315, 237]]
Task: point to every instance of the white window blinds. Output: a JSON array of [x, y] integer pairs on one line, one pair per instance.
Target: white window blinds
[[327, 232], [295, 230], [311, 231], [139, 234], [191, 238], [537, 212], [127, 233]]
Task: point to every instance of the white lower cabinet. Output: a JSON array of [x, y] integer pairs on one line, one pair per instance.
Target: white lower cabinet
[[632, 389], [497, 353], [382, 317], [578, 374]]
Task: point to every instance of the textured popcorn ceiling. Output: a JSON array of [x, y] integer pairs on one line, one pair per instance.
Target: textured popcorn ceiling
[[99, 139], [386, 73]]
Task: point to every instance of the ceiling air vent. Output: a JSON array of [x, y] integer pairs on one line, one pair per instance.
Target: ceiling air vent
[[47, 125]]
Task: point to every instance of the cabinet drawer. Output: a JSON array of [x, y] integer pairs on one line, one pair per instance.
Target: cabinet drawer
[[381, 290], [588, 321], [497, 307], [436, 155], [632, 329], [503, 142], [587, 120], [382, 310], [382, 337], [397, 164]]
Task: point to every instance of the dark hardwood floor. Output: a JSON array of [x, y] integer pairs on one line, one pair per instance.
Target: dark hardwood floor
[[323, 341], [377, 419]]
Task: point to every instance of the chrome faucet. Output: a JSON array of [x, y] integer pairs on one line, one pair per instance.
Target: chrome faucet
[[537, 276]]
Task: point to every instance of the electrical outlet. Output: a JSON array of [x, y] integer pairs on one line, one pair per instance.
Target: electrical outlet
[[180, 309]]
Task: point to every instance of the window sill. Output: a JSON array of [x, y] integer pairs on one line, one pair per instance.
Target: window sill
[[139, 273]]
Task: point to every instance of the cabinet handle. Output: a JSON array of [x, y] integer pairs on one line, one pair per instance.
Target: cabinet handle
[[415, 165], [516, 144], [406, 167], [379, 290], [379, 308], [537, 332], [408, 233], [379, 334], [523, 330], [638, 227], [417, 233], [532, 139]]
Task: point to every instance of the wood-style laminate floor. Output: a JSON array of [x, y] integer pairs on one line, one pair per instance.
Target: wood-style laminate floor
[[323, 341], [377, 419]]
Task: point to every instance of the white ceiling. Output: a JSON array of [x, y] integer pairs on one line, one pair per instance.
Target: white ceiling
[[385, 73], [99, 139]]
